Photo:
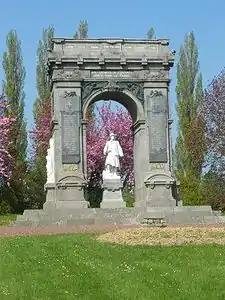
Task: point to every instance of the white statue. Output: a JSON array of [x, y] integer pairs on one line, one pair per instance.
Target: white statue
[[113, 152], [50, 162]]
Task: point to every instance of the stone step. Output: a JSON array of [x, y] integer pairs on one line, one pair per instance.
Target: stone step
[[87, 216]]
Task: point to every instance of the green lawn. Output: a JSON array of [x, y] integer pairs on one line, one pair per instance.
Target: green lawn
[[6, 219], [78, 267]]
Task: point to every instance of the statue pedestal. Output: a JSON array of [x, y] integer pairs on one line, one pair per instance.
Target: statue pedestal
[[112, 193]]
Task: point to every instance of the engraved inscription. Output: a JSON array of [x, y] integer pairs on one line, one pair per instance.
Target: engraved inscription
[[70, 167], [70, 137], [157, 118], [158, 166], [111, 74]]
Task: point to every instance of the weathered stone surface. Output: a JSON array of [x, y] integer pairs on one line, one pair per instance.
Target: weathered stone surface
[[158, 121], [83, 72], [126, 216]]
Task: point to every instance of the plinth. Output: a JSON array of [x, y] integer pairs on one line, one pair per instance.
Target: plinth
[[112, 193]]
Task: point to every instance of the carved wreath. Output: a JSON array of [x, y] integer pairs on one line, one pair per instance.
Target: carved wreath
[[137, 89]]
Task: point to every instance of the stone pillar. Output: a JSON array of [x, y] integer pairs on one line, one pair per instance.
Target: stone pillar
[[159, 180], [112, 193], [140, 162], [70, 181]]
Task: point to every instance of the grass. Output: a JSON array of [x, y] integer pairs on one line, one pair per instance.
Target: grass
[[79, 267], [6, 219]]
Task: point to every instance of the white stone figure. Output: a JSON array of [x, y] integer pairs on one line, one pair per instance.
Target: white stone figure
[[113, 152], [50, 162]]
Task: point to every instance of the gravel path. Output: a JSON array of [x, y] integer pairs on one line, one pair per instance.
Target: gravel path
[[7, 231]]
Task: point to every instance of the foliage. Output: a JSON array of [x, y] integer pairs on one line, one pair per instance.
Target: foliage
[[79, 267], [189, 154], [213, 186], [41, 133], [7, 219], [36, 175], [82, 32], [13, 86], [42, 80], [128, 196], [214, 113], [98, 131], [5, 124], [151, 34], [6, 160]]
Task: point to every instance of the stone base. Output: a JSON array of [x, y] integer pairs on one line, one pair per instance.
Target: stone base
[[112, 199], [187, 215], [66, 194], [112, 194], [65, 205], [160, 190]]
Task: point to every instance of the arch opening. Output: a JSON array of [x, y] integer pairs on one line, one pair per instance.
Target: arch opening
[[125, 98], [126, 116]]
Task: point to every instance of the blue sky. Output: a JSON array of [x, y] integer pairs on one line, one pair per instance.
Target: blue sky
[[126, 19]]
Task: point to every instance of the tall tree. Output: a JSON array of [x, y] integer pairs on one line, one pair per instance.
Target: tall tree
[[41, 132], [13, 89], [42, 80], [190, 144], [6, 160], [5, 124], [214, 112], [82, 32], [151, 33]]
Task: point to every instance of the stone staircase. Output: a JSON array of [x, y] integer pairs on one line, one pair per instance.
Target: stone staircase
[[180, 215]]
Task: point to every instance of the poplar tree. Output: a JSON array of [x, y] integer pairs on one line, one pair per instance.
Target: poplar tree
[[151, 33], [13, 89], [42, 80], [190, 143], [37, 169], [82, 33]]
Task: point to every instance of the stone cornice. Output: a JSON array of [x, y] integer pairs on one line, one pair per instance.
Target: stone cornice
[[164, 42]]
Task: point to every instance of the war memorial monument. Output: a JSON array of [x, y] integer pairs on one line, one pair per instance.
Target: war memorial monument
[[135, 73]]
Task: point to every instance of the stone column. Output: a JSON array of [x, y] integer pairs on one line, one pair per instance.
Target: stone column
[[140, 162], [84, 124], [70, 181], [159, 180]]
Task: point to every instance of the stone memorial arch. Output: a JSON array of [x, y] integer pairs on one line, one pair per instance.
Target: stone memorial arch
[[136, 74]]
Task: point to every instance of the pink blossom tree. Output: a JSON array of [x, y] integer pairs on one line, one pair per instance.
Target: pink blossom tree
[[98, 131], [5, 124], [42, 130]]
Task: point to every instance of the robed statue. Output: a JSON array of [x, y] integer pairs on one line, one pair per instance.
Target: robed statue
[[113, 152]]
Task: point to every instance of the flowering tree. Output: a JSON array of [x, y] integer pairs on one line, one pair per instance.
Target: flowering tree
[[214, 111], [42, 131], [98, 131], [5, 124]]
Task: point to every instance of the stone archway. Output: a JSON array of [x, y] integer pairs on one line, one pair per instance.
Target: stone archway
[[136, 109], [136, 72]]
